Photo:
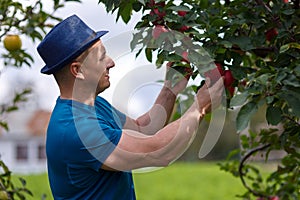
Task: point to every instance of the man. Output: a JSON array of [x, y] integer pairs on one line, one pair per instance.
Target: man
[[92, 147]]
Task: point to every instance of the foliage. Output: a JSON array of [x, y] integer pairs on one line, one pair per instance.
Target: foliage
[[32, 21], [7, 187], [13, 106], [258, 41]]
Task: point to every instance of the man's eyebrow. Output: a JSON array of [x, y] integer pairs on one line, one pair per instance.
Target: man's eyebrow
[[103, 51]]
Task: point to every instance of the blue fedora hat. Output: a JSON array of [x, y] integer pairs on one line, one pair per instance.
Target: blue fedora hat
[[66, 41]]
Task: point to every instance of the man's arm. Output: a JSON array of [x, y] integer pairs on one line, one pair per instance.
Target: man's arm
[[136, 150], [158, 116]]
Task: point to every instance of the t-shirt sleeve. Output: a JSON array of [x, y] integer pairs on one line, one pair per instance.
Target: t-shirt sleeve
[[104, 108], [98, 138], [121, 117]]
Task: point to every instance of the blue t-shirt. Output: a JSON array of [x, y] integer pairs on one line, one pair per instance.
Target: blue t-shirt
[[79, 139]]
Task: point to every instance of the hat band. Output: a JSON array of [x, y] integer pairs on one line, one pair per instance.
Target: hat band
[[92, 36]]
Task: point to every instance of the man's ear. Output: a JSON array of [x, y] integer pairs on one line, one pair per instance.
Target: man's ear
[[75, 68]]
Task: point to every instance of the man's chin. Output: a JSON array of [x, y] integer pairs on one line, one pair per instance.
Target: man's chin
[[102, 89]]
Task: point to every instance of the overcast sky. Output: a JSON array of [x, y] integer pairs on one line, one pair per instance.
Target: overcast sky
[[134, 81], [117, 45]]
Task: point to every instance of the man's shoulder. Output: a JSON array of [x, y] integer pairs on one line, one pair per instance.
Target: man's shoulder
[[100, 100]]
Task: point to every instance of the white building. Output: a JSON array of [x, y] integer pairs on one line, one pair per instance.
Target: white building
[[23, 154], [22, 148]]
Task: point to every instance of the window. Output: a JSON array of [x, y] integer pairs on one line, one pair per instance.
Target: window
[[41, 152], [22, 152]]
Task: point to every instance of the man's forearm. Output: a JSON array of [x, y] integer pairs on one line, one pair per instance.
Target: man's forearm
[[158, 116], [177, 136], [136, 151]]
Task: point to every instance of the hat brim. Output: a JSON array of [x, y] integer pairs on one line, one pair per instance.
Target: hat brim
[[54, 68]]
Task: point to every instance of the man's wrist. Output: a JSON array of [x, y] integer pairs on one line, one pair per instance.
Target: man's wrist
[[200, 107], [169, 92]]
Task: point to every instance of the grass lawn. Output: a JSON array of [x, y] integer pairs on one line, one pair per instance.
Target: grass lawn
[[180, 181], [187, 181]]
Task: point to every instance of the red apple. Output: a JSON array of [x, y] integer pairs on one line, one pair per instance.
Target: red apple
[[274, 198], [184, 28], [215, 74], [160, 4], [230, 90], [220, 68], [184, 56], [158, 13], [285, 1], [228, 78], [158, 30], [150, 4], [159, 16], [182, 13], [271, 33]]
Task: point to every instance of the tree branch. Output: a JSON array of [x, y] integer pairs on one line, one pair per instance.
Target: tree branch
[[241, 166]]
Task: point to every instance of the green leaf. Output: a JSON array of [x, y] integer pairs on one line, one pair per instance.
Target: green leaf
[[292, 80], [297, 70], [148, 53], [23, 181], [4, 125], [218, 22], [245, 115], [289, 11], [180, 8], [160, 58], [293, 99], [243, 42], [239, 99], [137, 6], [142, 2], [269, 99], [204, 4], [125, 11], [263, 79], [226, 44], [280, 76], [273, 115], [286, 47], [12, 108]]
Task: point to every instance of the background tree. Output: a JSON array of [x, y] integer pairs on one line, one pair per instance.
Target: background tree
[[257, 43], [31, 20]]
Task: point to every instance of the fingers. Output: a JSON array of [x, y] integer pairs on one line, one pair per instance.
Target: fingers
[[216, 92], [210, 96], [208, 82]]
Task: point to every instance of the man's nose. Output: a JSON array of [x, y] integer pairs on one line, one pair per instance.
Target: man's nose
[[111, 63]]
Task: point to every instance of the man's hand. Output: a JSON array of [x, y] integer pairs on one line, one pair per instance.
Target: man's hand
[[181, 84], [210, 96]]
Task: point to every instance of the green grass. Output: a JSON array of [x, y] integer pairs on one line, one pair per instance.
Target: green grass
[[180, 181], [187, 181], [38, 184]]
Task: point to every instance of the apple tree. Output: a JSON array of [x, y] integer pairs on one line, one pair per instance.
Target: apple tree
[[31, 20], [255, 45]]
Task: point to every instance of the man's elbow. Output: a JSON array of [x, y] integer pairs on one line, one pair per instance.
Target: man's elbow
[[161, 160]]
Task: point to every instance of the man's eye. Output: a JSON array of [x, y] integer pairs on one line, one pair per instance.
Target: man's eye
[[102, 57]]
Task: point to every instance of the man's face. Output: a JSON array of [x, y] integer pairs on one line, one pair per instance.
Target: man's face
[[95, 67]]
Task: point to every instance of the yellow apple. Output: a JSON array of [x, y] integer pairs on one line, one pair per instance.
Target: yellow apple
[[12, 42], [3, 195]]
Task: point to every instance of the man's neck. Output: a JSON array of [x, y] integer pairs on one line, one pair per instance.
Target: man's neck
[[85, 97]]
